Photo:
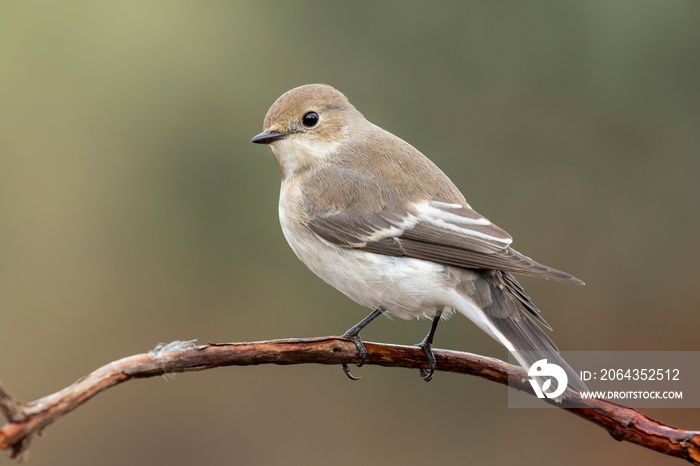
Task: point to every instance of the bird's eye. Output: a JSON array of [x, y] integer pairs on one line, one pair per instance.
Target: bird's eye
[[310, 119]]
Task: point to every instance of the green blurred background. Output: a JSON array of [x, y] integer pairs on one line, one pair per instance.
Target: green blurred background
[[134, 210]]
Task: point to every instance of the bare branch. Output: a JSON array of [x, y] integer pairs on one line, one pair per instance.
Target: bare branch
[[9, 406], [27, 419]]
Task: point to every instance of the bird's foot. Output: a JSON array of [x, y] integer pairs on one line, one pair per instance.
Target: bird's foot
[[427, 374], [363, 354], [354, 334]]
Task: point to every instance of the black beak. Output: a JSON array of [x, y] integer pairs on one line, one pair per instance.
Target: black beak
[[267, 137]]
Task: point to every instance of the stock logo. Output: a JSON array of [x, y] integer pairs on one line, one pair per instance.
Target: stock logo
[[552, 371]]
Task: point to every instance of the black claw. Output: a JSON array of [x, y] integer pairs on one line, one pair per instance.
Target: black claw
[[346, 369], [427, 375]]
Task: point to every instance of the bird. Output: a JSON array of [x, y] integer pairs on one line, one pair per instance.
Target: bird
[[375, 218]]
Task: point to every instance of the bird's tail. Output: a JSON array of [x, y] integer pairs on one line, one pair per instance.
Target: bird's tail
[[500, 307]]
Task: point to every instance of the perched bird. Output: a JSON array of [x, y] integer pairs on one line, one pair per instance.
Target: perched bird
[[373, 217]]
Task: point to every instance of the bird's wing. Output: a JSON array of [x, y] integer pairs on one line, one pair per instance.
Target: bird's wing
[[434, 230]]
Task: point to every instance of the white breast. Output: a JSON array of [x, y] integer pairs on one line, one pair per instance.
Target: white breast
[[401, 286]]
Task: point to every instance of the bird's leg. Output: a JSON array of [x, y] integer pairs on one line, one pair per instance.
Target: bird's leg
[[427, 345], [354, 334]]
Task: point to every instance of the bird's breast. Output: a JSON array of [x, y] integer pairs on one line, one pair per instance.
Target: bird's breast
[[402, 286]]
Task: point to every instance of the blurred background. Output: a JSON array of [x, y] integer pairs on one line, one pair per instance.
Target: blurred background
[[134, 210]]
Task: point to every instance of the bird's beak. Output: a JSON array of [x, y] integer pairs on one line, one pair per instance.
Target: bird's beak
[[267, 137]]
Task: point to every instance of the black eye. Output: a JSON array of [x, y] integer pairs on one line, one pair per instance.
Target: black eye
[[310, 119]]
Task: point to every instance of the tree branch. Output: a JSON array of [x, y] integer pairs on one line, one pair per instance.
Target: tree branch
[[25, 420]]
